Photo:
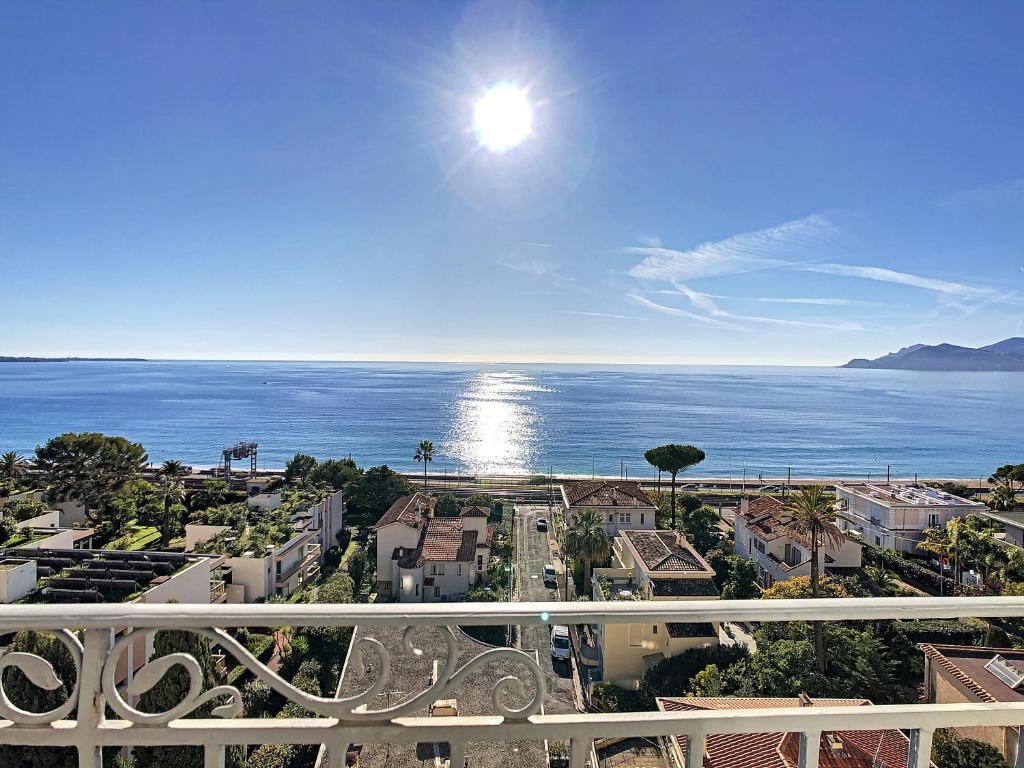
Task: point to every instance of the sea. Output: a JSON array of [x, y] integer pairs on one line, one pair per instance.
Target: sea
[[754, 422]]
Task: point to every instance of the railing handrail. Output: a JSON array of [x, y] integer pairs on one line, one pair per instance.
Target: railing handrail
[[183, 616]]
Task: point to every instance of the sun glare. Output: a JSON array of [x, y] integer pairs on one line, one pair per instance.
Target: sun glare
[[502, 119]]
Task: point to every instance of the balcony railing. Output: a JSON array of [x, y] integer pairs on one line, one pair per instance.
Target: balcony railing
[[85, 630]]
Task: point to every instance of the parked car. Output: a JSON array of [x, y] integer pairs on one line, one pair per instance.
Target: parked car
[[549, 576], [542, 523], [560, 648]]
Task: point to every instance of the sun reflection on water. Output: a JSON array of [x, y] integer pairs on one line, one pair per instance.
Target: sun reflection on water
[[494, 426]]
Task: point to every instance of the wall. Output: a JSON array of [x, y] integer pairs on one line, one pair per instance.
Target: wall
[[189, 585], [196, 534], [49, 519], [254, 574], [61, 540], [265, 501], [388, 538], [451, 583], [17, 581], [943, 691], [617, 523]]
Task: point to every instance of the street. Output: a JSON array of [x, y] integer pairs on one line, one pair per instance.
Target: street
[[532, 554]]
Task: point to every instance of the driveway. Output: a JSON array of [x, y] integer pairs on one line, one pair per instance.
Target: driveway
[[532, 554]]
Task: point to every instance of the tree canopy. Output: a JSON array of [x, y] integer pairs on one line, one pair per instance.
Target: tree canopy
[[90, 467], [298, 468], [586, 540], [674, 458]]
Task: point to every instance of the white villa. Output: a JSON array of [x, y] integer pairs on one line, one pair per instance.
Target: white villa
[[623, 505], [763, 535], [894, 516], [651, 565], [425, 558]]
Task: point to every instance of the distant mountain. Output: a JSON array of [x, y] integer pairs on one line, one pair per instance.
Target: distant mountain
[[71, 359], [1006, 355]]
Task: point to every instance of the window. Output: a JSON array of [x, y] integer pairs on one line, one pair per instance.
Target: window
[[624, 517], [417, 590], [440, 570], [611, 518], [641, 518], [459, 569], [433, 570], [654, 629], [750, 546], [479, 562], [933, 519], [759, 546]]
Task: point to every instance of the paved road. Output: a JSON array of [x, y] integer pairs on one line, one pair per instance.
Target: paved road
[[532, 554]]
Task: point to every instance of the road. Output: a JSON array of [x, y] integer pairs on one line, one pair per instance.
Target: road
[[532, 554]]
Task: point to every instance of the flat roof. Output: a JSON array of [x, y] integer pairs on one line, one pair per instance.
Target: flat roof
[[1016, 519], [905, 495]]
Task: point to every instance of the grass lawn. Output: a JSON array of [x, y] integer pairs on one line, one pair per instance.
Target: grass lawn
[[137, 537], [349, 550]]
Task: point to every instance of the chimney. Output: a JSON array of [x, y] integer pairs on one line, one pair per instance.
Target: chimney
[[805, 700], [615, 495], [744, 505]]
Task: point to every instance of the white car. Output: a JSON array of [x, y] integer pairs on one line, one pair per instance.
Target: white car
[[560, 648]]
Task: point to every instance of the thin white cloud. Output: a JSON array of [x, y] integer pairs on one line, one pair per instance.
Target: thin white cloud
[[705, 303], [675, 312], [813, 301], [599, 314], [884, 275], [745, 252], [1002, 192]]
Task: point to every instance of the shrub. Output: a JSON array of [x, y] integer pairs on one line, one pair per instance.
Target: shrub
[[671, 676], [611, 698], [952, 751], [256, 697]]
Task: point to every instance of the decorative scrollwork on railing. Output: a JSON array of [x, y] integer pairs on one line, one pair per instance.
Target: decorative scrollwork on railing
[[351, 708], [151, 673], [41, 673]]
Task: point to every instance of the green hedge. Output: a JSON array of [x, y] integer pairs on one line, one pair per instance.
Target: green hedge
[[910, 570], [950, 632]]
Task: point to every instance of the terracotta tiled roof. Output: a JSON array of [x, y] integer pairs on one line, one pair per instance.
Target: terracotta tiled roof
[[692, 629], [684, 588], [966, 665], [764, 518], [780, 750], [665, 551], [474, 512], [603, 493], [442, 540], [405, 510]]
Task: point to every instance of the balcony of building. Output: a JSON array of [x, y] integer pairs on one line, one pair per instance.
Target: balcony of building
[[453, 708]]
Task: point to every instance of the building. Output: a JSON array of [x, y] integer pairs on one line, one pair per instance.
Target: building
[[650, 565], [763, 535], [254, 575], [894, 516], [622, 505], [46, 532], [970, 674], [836, 749], [422, 557], [1013, 525]]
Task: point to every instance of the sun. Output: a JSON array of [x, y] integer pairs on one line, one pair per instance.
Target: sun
[[503, 117]]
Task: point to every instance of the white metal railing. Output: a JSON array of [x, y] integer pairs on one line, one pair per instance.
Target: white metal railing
[[86, 631]]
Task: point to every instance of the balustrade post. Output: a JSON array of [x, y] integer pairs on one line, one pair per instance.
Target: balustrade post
[[214, 756], [810, 748], [578, 751], [695, 747], [90, 698], [920, 753]]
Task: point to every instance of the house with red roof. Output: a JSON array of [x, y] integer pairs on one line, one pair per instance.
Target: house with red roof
[[836, 749], [621, 504], [764, 535], [651, 565], [423, 557]]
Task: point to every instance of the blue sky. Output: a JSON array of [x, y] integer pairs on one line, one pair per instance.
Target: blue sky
[[770, 182]]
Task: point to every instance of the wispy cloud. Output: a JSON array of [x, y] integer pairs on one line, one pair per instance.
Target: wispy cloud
[[536, 264], [599, 314], [706, 303], [1000, 193], [745, 252], [675, 312], [816, 302], [884, 275]]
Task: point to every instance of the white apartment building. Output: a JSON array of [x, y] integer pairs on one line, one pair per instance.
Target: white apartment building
[[424, 558], [763, 535], [651, 565], [622, 505], [895, 516], [280, 570]]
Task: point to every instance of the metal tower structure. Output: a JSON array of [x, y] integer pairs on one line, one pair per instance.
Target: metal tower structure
[[243, 450]]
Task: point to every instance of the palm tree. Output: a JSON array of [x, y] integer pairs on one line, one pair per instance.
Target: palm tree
[[12, 465], [171, 492], [675, 459], [424, 453], [586, 540], [172, 468], [812, 514], [881, 576]]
